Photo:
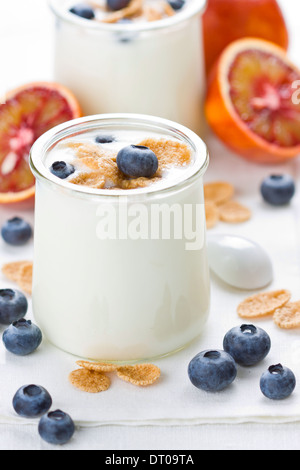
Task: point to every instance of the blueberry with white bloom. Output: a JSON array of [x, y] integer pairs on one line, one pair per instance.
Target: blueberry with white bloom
[[105, 139], [247, 344], [137, 161], [177, 4], [13, 306], [212, 370], [22, 337], [16, 231], [84, 11], [62, 170], [277, 382], [278, 190], [32, 401], [56, 427], [116, 5]]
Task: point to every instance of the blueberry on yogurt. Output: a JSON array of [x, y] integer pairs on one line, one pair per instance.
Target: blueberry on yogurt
[[247, 344], [32, 401], [137, 161], [56, 427], [62, 169], [22, 337], [13, 306], [212, 370], [177, 4], [105, 139], [116, 5], [84, 11], [16, 232], [278, 382]]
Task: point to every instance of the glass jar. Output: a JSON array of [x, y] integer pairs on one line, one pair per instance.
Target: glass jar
[[125, 294], [154, 68]]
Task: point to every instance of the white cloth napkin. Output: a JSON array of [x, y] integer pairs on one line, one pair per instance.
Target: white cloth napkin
[[173, 400]]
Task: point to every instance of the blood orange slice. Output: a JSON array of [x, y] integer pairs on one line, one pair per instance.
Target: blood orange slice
[[27, 113], [251, 103]]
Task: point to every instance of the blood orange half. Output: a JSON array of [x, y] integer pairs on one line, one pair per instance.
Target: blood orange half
[[251, 103], [25, 115]]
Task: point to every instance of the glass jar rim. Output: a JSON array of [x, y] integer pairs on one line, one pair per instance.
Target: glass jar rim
[[53, 136], [195, 8]]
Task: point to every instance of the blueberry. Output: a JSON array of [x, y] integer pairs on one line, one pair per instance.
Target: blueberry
[[117, 4], [105, 139], [16, 232], [32, 401], [278, 190], [83, 11], [278, 382], [247, 344], [56, 427], [13, 306], [212, 371], [137, 161], [22, 337], [177, 4], [62, 170]]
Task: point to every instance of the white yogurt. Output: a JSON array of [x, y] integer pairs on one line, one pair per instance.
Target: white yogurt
[[154, 68], [121, 298]]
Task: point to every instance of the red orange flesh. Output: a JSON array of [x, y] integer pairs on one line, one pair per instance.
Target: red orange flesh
[[25, 114], [250, 101]]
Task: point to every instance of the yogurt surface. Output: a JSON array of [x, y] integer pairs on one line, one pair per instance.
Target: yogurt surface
[[95, 163], [130, 11]]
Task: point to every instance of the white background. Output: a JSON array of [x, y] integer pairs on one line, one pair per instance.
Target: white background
[[26, 55]]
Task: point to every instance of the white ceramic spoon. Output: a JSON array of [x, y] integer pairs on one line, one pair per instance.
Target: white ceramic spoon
[[239, 262]]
